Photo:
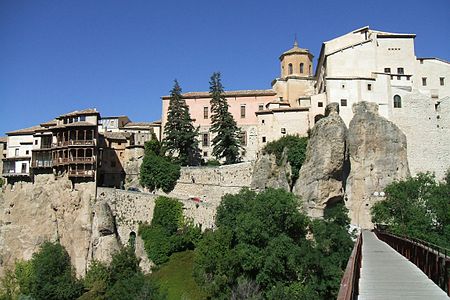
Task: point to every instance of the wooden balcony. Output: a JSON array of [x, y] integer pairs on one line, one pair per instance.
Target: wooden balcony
[[81, 173], [74, 143], [74, 160], [42, 164]]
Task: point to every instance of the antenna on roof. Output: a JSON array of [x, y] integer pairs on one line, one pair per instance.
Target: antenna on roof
[[295, 40]]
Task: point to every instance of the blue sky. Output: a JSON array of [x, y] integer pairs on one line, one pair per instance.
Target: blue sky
[[122, 56]]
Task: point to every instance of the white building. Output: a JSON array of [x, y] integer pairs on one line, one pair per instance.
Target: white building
[[381, 67]]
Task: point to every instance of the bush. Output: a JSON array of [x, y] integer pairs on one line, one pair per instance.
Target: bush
[[295, 149], [169, 232], [417, 207], [260, 249]]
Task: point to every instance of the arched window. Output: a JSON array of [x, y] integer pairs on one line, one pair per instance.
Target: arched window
[[309, 70], [301, 68], [290, 69], [397, 101]]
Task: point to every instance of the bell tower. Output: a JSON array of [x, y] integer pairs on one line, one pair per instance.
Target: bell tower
[[296, 62], [296, 82]]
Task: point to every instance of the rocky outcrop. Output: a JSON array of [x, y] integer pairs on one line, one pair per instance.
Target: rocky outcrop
[[378, 156], [133, 161], [268, 174], [48, 210], [321, 176]]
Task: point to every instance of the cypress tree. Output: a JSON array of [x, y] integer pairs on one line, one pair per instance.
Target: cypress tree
[[226, 143], [180, 134]]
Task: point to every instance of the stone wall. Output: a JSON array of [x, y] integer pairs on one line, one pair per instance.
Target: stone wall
[[426, 125]]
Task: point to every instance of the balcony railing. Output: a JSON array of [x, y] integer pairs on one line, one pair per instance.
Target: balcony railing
[[60, 161], [42, 164], [81, 173], [74, 143]]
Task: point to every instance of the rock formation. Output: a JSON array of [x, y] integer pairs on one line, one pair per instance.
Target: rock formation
[[378, 156], [49, 210], [321, 176], [267, 174]]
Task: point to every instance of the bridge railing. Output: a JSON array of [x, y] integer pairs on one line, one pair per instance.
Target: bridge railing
[[349, 288], [433, 260]]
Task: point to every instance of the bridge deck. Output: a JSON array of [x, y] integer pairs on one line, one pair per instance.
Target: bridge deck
[[386, 274]]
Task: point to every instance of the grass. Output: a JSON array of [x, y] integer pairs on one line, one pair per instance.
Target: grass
[[175, 277]]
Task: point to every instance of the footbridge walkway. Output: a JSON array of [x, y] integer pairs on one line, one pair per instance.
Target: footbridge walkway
[[383, 266]]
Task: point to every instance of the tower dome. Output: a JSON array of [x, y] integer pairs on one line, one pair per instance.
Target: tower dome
[[296, 62]]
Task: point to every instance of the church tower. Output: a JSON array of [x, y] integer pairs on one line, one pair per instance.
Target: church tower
[[296, 82], [296, 62]]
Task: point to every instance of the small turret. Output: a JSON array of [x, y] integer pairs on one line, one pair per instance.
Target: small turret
[[296, 62]]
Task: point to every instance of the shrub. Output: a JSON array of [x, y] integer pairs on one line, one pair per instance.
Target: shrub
[[295, 149], [168, 232]]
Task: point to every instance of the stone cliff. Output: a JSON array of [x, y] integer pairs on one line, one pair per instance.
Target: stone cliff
[[267, 174], [378, 156], [321, 177]]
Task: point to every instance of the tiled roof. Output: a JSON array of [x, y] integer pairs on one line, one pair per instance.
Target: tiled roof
[[89, 111], [228, 94], [49, 123], [141, 124], [3, 139], [80, 123], [117, 135], [29, 130], [433, 58]]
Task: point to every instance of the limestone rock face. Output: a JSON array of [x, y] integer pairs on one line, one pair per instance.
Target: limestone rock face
[[320, 178], [104, 237], [133, 161], [267, 174], [47, 210], [378, 156]]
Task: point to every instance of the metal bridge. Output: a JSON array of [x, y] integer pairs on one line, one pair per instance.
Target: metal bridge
[[384, 266]]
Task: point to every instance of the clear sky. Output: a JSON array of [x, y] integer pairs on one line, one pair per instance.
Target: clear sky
[[122, 56]]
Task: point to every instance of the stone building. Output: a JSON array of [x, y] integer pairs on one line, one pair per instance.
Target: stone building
[[3, 148], [363, 65]]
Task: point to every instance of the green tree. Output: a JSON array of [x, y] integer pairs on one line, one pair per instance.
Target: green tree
[[295, 148], [226, 143], [260, 248], [52, 274], [418, 207], [180, 133]]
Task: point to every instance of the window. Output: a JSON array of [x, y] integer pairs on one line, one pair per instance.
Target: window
[[205, 140], [343, 86], [283, 130], [320, 104], [397, 101], [35, 142], [17, 152], [243, 138], [82, 118], [369, 87], [424, 81], [290, 69], [205, 112], [263, 139], [309, 69], [27, 152], [421, 61], [65, 121], [261, 107], [205, 153], [263, 121], [442, 81], [119, 143], [400, 71], [242, 111], [343, 102], [24, 167], [387, 70], [301, 68], [70, 120], [281, 98]]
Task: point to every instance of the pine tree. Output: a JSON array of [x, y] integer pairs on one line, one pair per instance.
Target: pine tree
[[226, 143], [180, 133]]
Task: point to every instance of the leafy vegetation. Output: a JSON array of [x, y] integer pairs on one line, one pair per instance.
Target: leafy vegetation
[[418, 207], [158, 171], [175, 277], [122, 279], [180, 134], [295, 148], [260, 249], [168, 232], [2, 182], [226, 143], [48, 275]]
